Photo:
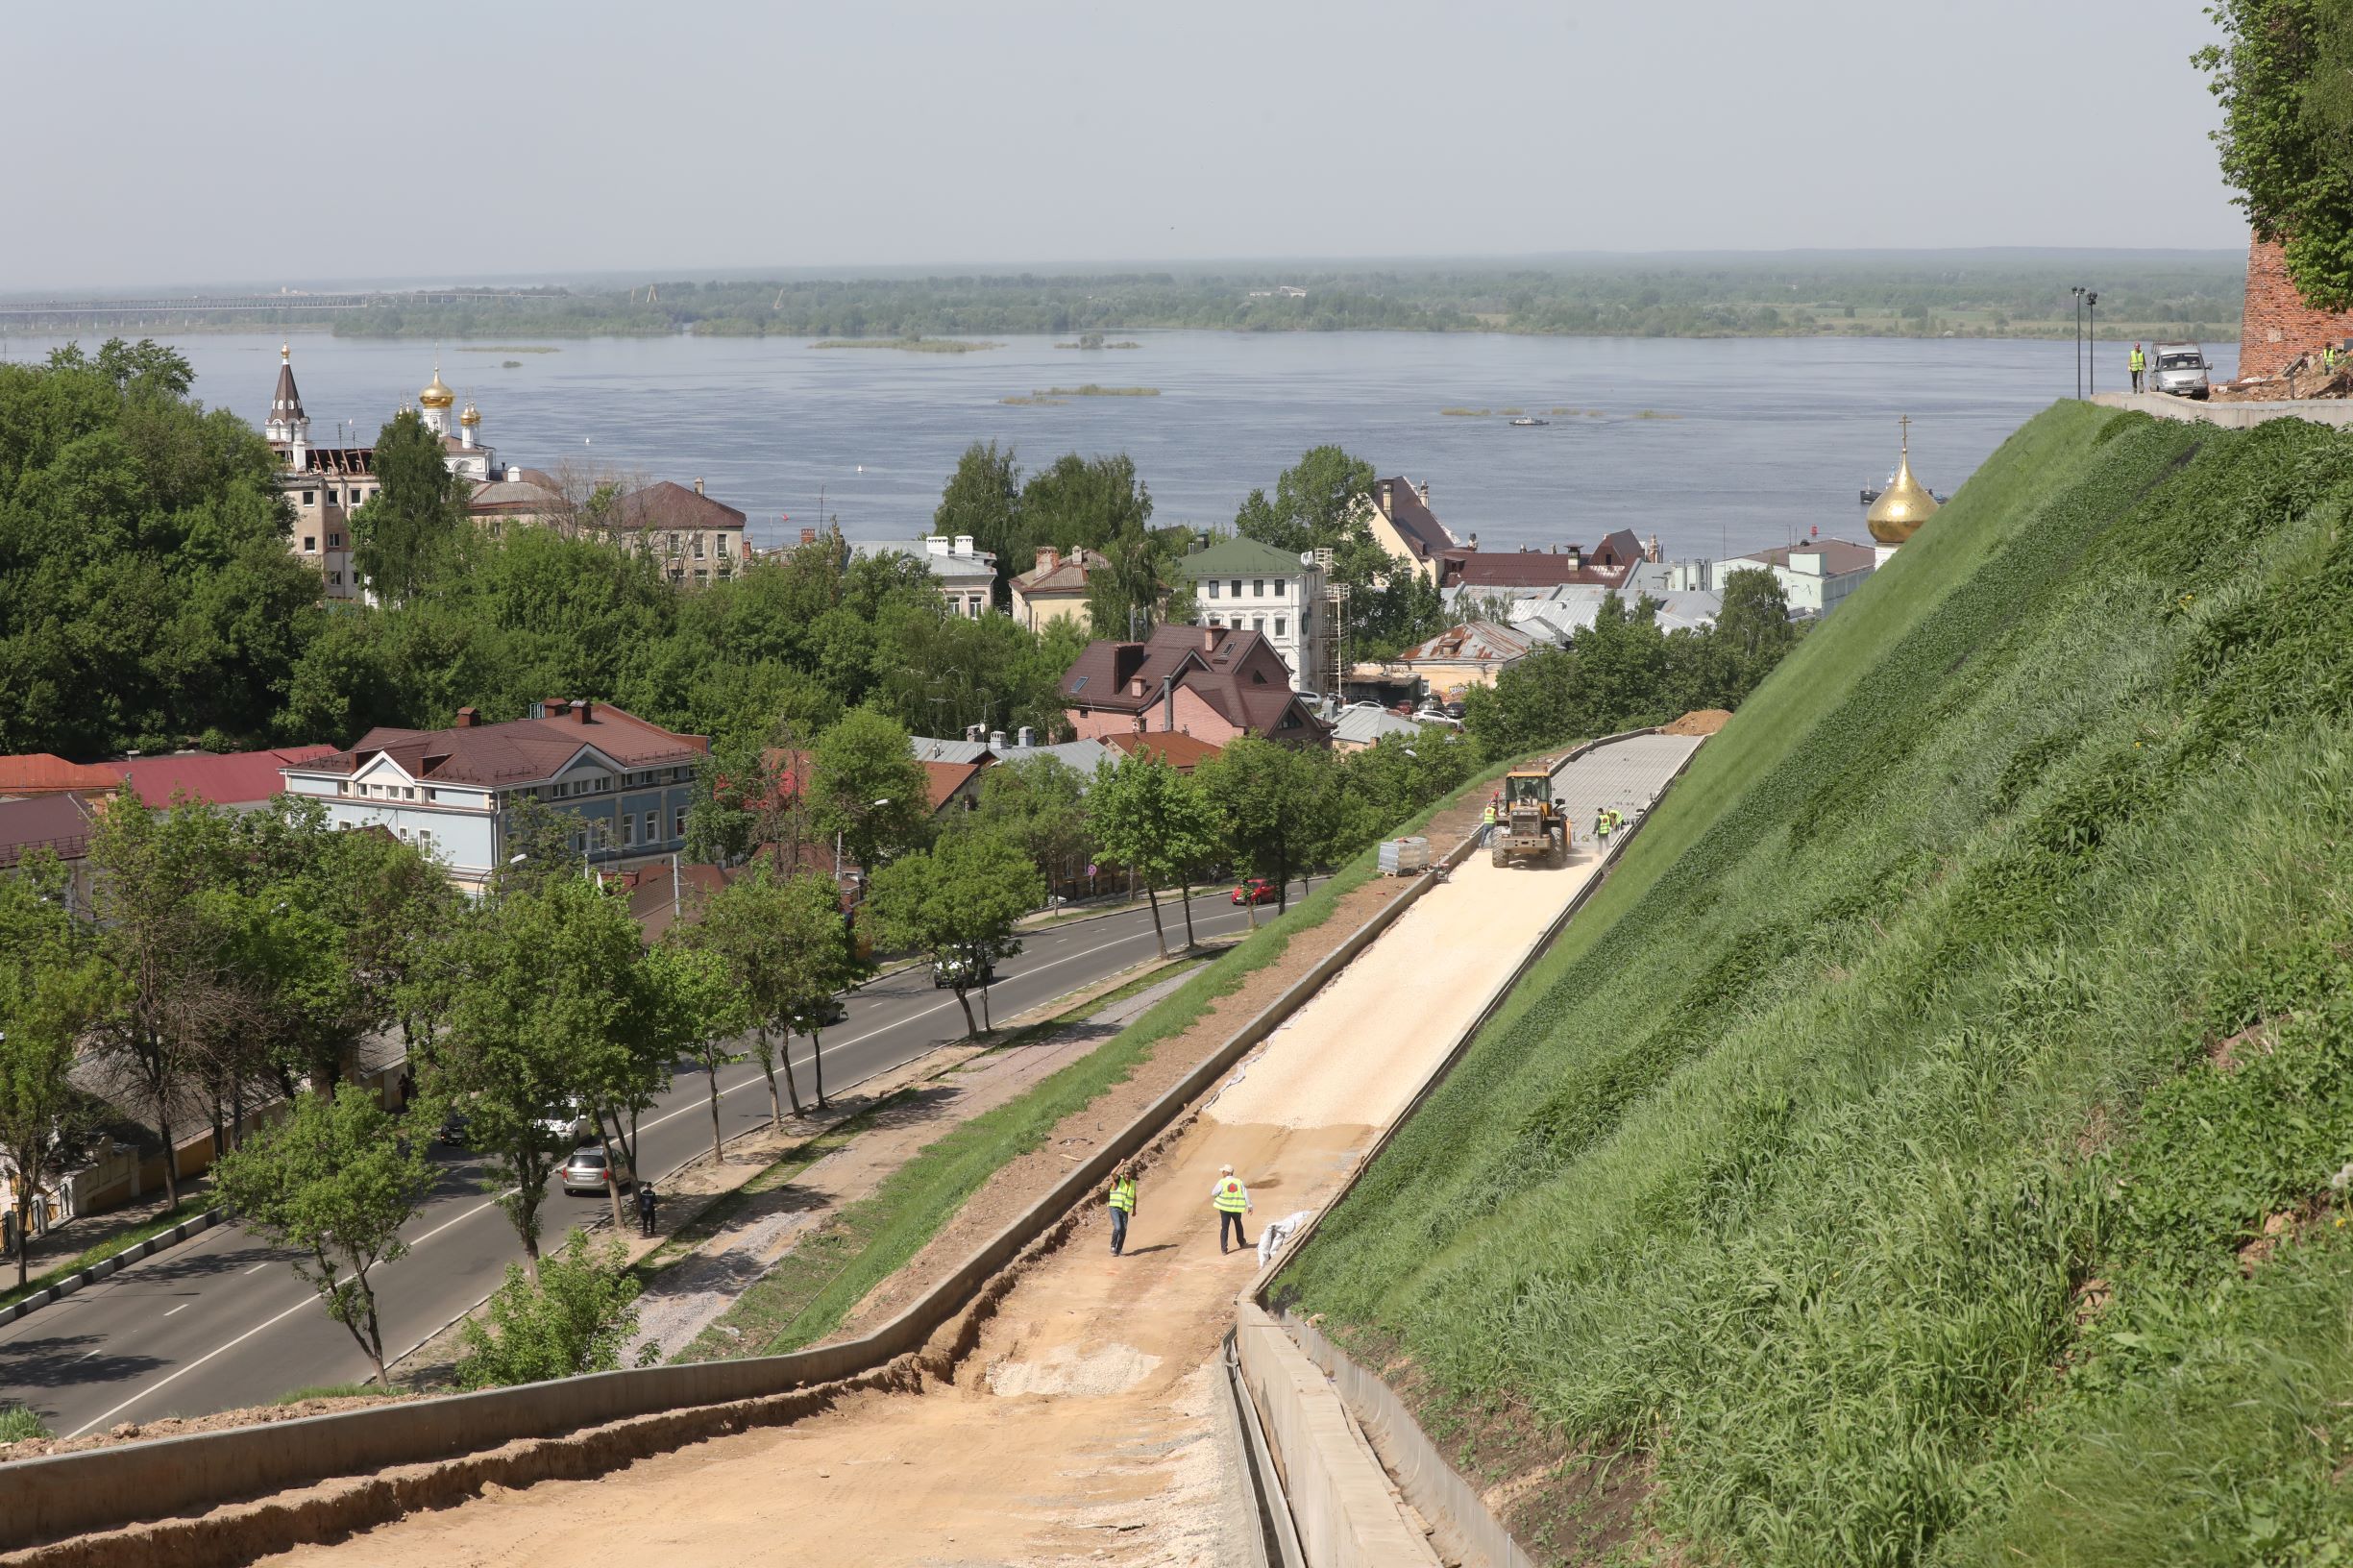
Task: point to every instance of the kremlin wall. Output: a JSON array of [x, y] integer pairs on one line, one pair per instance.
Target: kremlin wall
[[2279, 326]]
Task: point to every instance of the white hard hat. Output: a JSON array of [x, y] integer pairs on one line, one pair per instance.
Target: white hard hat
[[1225, 1170]]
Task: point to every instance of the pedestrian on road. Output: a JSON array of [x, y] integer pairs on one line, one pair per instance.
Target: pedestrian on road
[[1232, 1200], [2140, 364], [645, 1200], [1600, 829], [1122, 1204]]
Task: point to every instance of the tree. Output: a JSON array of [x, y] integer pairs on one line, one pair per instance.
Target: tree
[[701, 1010], [1275, 802], [817, 963], [413, 531], [543, 1000], [335, 1181], [744, 926], [983, 499], [572, 1314], [865, 786], [51, 989], [162, 905], [1125, 593], [1318, 501], [2284, 75], [1040, 804], [1081, 502], [959, 902], [1155, 821], [1752, 633], [1324, 501]]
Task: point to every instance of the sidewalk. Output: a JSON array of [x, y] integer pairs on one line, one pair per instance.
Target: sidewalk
[[69, 1239]]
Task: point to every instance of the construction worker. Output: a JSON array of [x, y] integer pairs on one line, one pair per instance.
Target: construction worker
[[645, 1208], [1232, 1200], [1122, 1201], [2140, 364], [1486, 822], [1600, 828]]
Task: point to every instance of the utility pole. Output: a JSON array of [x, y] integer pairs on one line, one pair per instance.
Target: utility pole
[[2091, 336], [2078, 293]]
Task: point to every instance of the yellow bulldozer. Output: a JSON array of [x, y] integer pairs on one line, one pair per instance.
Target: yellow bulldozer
[[1529, 819]]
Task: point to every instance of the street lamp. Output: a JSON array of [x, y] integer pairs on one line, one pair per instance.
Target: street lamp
[[871, 805], [2078, 293], [2091, 339]]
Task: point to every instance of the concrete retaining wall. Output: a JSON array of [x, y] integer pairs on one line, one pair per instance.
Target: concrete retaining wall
[[2230, 416], [44, 1498], [1340, 1500]]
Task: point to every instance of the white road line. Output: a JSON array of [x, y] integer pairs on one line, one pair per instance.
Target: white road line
[[200, 1360], [256, 1269], [181, 1308]]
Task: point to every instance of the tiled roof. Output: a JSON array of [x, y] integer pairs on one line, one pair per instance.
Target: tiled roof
[[945, 779], [1474, 642], [1067, 575], [58, 822], [1209, 661], [1617, 549], [233, 778], [1524, 569], [1415, 522], [40, 772], [520, 751], [1239, 557], [666, 505], [1178, 750]]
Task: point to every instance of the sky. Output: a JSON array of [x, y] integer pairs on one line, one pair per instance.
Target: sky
[[239, 142]]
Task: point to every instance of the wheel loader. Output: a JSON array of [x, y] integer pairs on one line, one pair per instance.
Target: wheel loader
[[1530, 821]]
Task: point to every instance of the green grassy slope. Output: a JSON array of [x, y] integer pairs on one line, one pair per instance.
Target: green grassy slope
[[1870, 1170]]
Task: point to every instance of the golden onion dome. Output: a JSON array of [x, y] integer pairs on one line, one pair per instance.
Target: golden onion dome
[[1905, 503], [472, 415], [435, 395]]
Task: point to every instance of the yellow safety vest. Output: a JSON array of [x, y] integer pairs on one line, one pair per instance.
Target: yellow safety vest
[[1489, 818], [1233, 1198], [1123, 1196], [2139, 363]]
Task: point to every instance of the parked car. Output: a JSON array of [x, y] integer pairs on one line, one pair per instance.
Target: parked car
[[454, 1125], [566, 1124], [1257, 890], [2181, 370], [945, 971], [586, 1170]]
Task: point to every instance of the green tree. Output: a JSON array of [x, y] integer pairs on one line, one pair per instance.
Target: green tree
[[1081, 502], [1318, 501], [1752, 633], [867, 787], [544, 998], [413, 531], [572, 1314], [1157, 822], [51, 989], [1040, 804], [1124, 594], [700, 1011], [749, 926], [2284, 75], [982, 497], [335, 1181], [818, 963], [959, 902], [1276, 804]]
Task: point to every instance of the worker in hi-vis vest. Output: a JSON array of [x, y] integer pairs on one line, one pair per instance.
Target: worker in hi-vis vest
[[1232, 1201], [2140, 364], [1122, 1204]]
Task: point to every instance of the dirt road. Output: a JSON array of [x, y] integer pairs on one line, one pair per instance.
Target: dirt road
[[1083, 1428]]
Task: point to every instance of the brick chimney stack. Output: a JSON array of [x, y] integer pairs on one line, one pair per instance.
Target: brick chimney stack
[[469, 717], [581, 711], [1049, 558]]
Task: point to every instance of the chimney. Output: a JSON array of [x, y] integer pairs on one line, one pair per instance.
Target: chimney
[[1209, 638], [1385, 496], [1474, 541], [469, 717], [975, 732], [1049, 558], [808, 536], [1423, 489], [581, 711], [1027, 736], [935, 544], [698, 484], [554, 707], [997, 740], [1577, 558], [963, 544]]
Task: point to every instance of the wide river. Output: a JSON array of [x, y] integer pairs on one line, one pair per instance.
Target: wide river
[[1718, 447]]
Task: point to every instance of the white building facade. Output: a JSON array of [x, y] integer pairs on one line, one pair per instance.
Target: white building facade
[[1240, 582]]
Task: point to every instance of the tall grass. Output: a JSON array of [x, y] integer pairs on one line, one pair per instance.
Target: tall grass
[[1859, 1155]]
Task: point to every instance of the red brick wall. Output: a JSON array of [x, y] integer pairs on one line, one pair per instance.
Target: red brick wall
[[2280, 325]]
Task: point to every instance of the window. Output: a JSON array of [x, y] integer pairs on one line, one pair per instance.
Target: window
[[425, 840], [701, 575], [721, 541], [342, 787], [698, 547], [310, 497], [334, 541], [1282, 586], [653, 831], [335, 577], [432, 793], [1278, 625], [408, 791], [629, 831], [1212, 588], [579, 844], [1258, 623], [678, 830], [1079, 685], [311, 544], [1238, 587], [1258, 587], [330, 495]]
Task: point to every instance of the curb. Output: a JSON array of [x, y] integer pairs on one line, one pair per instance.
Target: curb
[[106, 1266]]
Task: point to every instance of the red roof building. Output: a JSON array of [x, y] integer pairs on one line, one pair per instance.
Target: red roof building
[[1181, 752], [238, 781], [43, 773], [1209, 682]]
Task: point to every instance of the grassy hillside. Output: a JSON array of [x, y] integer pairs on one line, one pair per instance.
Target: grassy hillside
[[1922, 1151]]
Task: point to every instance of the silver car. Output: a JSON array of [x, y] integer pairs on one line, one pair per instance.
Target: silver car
[[2180, 369], [586, 1171]]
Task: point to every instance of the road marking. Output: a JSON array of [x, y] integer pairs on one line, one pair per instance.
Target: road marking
[[200, 1360], [181, 1308], [256, 1269], [86, 1355]]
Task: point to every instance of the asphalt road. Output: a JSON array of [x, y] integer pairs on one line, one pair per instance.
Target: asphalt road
[[222, 1321]]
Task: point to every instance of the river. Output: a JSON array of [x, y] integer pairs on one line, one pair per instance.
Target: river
[[1747, 443]]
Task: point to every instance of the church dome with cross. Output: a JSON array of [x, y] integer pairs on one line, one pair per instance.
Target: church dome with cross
[[1905, 503]]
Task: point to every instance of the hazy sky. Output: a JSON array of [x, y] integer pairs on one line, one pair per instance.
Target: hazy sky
[[225, 140]]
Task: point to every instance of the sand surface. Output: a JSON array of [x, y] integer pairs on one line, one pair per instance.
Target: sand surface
[[1085, 1428]]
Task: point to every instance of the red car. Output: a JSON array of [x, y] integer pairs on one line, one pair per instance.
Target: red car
[[1257, 890]]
